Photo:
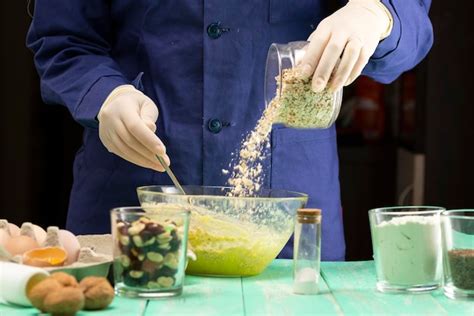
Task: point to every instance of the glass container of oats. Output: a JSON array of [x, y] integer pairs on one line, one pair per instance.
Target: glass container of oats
[[296, 105]]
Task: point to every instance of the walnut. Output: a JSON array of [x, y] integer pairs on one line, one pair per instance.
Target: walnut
[[38, 293], [97, 291], [64, 278], [66, 301], [59, 294]]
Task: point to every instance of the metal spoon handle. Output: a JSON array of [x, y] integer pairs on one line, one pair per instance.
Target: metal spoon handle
[[171, 175]]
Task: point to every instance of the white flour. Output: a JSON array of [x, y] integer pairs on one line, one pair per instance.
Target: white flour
[[407, 250]]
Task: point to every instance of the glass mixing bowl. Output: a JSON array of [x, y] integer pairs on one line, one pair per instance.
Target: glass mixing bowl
[[231, 236]]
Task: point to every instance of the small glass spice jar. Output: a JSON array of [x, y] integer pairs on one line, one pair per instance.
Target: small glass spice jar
[[457, 228], [297, 105], [307, 251]]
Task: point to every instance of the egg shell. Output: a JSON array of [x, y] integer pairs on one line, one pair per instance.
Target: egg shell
[[14, 230], [71, 244], [40, 234], [20, 244], [4, 237], [34, 231]]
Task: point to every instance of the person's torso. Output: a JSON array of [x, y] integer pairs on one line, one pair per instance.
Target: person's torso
[[203, 64]]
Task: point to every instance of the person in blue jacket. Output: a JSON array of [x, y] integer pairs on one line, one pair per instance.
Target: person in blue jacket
[[141, 74]]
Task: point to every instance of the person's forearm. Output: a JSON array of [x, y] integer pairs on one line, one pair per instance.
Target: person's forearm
[[409, 41]]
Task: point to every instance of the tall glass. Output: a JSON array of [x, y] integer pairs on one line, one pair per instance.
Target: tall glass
[[149, 251], [458, 253], [406, 242]]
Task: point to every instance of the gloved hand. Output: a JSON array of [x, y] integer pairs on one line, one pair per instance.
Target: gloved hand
[[127, 127], [353, 31]]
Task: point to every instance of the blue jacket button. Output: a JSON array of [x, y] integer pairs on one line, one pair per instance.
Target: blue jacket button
[[214, 125], [214, 30]]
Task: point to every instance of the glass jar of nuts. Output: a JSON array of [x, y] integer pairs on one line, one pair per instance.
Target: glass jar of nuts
[[296, 104], [149, 251]]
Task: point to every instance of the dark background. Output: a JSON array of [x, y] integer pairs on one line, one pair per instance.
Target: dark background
[[38, 141]]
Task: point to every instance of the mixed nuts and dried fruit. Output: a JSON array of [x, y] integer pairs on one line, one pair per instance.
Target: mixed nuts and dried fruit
[[149, 253]]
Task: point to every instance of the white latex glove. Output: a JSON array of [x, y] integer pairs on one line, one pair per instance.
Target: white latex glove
[[354, 32], [127, 127]]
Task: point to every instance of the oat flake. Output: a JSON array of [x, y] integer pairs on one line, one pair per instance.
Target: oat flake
[[298, 106]]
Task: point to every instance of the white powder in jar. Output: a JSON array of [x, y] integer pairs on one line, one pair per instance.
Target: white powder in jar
[[306, 281], [407, 250]]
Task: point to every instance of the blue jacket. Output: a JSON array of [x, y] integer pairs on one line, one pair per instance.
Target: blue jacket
[[202, 62]]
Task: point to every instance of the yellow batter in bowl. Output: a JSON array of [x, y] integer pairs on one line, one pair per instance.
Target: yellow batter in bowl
[[227, 247]]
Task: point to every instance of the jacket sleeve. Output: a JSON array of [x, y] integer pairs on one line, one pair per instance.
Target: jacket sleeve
[[408, 43], [71, 42]]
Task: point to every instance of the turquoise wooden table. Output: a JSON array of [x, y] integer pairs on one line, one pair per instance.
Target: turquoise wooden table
[[347, 288]]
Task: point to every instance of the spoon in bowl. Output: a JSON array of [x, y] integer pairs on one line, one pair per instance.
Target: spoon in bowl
[[171, 175]]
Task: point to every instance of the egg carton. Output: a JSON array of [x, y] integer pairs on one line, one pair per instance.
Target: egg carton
[[94, 258]]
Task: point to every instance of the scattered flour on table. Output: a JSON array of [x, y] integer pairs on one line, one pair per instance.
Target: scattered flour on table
[[408, 250]]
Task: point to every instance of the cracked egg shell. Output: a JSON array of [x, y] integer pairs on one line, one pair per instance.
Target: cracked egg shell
[[4, 237], [71, 244], [14, 230], [20, 244]]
